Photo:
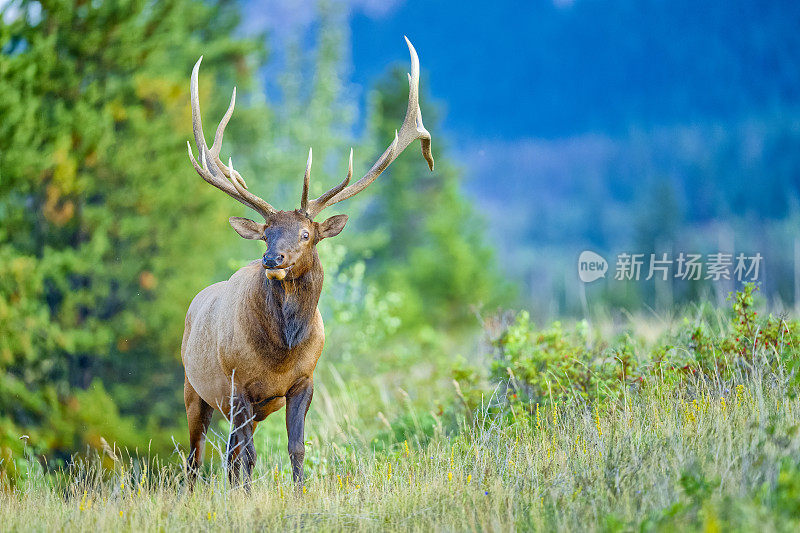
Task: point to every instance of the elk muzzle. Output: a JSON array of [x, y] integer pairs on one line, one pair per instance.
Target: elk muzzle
[[272, 260], [271, 263]]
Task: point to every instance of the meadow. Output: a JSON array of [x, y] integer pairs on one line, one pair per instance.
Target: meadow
[[436, 406], [712, 445]]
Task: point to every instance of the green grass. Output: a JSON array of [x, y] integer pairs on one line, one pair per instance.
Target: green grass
[[643, 425], [665, 458]]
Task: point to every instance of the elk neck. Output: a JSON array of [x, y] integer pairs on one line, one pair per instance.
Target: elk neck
[[285, 309]]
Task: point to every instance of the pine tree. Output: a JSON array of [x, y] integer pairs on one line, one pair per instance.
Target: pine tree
[[105, 229], [429, 244]]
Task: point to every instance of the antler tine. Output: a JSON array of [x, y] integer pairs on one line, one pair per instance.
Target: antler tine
[[306, 183], [220, 184], [413, 118], [411, 130], [258, 204], [212, 170], [315, 206], [197, 121], [217, 146]]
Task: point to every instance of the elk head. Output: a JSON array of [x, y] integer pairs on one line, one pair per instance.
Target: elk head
[[292, 236]]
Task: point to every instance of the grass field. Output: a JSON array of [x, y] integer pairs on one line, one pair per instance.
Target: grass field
[[690, 424], [714, 458]]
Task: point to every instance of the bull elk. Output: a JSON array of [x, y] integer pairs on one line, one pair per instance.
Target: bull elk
[[251, 343]]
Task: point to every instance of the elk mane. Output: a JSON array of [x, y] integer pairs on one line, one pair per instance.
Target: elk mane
[[283, 310]]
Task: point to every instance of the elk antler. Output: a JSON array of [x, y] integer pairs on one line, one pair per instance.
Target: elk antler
[[411, 130], [224, 178]]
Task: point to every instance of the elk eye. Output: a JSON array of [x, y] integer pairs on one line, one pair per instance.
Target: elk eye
[[305, 235]]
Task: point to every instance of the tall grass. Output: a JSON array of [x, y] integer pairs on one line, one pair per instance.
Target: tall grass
[[706, 455]]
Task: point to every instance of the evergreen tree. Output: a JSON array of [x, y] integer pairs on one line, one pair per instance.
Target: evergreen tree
[[105, 229], [428, 243]]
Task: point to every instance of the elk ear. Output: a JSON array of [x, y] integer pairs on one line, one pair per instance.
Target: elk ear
[[247, 228], [331, 227]]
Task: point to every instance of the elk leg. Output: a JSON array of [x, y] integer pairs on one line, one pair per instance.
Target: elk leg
[[198, 414], [241, 457], [248, 454], [232, 459], [241, 449], [298, 399]]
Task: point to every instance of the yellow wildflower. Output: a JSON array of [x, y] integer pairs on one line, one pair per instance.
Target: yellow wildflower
[[597, 421]]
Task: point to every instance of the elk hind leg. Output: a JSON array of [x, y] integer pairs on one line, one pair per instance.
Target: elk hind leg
[[198, 415]]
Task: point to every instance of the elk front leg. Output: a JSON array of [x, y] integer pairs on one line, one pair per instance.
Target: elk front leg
[[198, 414], [298, 399]]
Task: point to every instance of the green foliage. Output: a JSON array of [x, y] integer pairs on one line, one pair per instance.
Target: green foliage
[[104, 229], [106, 233], [539, 364], [365, 316], [775, 338], [702, 508], [413, 427], [729, 468], [424, 239]]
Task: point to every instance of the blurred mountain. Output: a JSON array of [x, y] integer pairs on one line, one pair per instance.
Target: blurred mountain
[[554, 69], [611, 124]]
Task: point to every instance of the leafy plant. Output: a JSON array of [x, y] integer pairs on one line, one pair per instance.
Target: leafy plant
[[554, 362]]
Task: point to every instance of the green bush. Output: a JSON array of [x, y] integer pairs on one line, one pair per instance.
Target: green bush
[[542, 365], [554, 362], [746, 337]]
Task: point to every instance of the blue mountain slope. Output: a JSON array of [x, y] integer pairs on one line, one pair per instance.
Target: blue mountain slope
[[608, 123], [534, 69]]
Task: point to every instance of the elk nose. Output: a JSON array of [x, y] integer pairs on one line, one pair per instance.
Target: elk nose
[[272, 260]]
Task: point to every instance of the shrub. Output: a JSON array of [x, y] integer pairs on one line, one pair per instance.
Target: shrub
[[535, 365]]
